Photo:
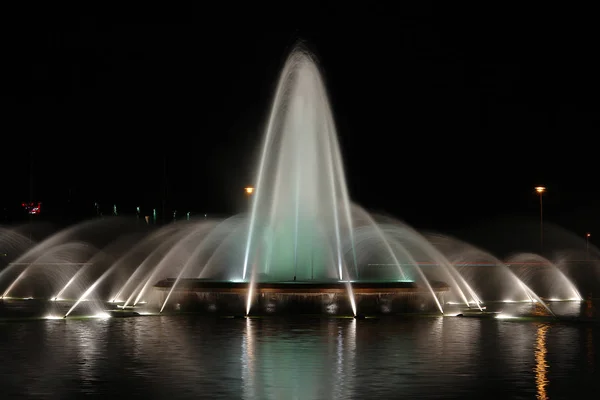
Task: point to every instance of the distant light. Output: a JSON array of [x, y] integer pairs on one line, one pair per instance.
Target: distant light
[[588, 234], [249, 190], [32, 208], [540, 189]]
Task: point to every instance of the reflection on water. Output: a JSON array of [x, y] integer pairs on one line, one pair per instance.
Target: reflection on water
[[248, 362], [280, 359], [541, 366], [190, 357], [590, 348], [85, 335]]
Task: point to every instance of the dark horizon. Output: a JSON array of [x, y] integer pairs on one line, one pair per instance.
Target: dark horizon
[[445, 121]]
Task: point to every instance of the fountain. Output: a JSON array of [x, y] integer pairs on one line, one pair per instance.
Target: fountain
[[300, 234], [303, 247]]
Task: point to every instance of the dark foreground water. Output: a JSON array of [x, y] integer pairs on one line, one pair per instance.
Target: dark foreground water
[[182, 357]]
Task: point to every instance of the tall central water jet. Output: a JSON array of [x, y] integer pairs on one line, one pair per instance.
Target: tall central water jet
[[301, 190]]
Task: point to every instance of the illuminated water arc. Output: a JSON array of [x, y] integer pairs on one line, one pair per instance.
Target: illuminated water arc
[[165, 231], [439, 259], [570, 284], [420, 272], [224, 245], [529, 264], [38, 250], [73, 278], [14, 282], [140, 269], [168, 257], [91, 289], [134, 275], [205, 241], [184, 237], [39, 261], [533, 295], [383, 238], [80, 272]]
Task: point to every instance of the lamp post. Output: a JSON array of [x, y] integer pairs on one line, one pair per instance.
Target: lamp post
[[587, 245], [540, 191]]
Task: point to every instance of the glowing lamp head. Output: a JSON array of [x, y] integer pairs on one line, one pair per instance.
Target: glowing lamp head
[[249, 190], [540, 189], [588, 234]]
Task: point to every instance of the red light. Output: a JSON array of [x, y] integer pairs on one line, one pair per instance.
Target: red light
[[32, 208]]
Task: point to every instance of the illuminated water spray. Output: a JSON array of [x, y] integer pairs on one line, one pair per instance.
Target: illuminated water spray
[[301, 196]]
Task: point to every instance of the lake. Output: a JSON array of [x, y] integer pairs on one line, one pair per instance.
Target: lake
[[181, 357]]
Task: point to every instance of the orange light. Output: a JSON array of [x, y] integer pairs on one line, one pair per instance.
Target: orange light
[[540, 189], [249, 190], [588, 234]]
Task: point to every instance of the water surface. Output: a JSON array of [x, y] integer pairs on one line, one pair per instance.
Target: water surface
[[181, 357]]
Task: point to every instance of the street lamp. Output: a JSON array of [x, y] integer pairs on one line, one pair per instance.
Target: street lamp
[[587, 245], [541, 190], [249, 190]]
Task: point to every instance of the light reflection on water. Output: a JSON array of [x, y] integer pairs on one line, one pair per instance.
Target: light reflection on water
[[188, 357], [541, 365]]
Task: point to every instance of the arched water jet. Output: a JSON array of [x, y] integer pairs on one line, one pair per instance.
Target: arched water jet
[[383, 238], [206, 240], [98, 258], [12, 243], [89, 291], [164, 238], [467, 257], [529, 264], [176, 250], [158, 256], [405, 233], [83, 250], [537, 298], [421, 274], [85, 232], [231, 230], [462, 253]]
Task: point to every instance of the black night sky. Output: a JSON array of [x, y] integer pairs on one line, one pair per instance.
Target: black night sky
[[447, 117]]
